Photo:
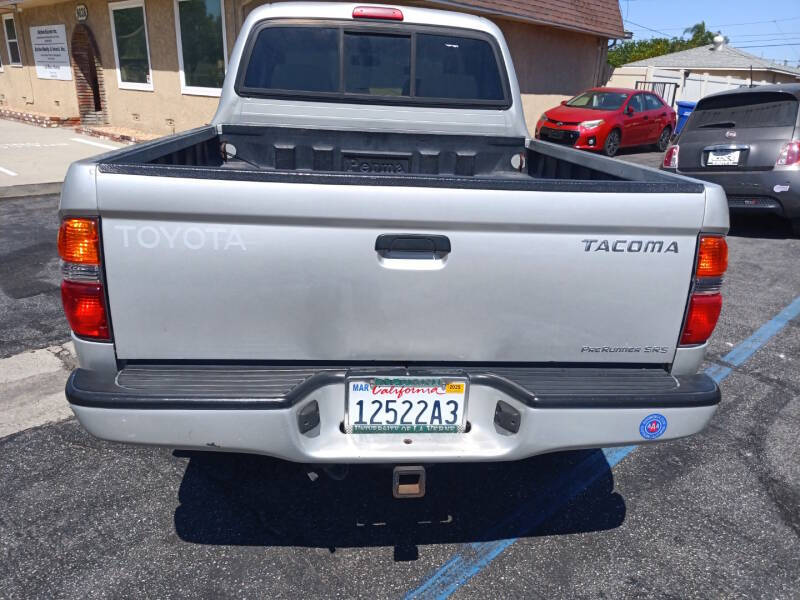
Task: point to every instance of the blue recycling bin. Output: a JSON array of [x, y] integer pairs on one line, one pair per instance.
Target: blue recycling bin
[[684, 110]]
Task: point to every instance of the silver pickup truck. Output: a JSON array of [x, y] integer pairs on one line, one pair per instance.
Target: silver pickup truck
[[364, 258]]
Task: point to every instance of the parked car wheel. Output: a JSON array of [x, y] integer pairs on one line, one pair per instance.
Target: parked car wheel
[[611, 145], [663, 139]]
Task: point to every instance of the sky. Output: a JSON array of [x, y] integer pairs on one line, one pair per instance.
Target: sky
[[772, 25]]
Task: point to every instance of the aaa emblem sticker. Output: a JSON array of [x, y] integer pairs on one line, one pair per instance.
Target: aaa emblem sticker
[[653, 426]]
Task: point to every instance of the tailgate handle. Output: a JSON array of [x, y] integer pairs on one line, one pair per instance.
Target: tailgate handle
[[412, 245]]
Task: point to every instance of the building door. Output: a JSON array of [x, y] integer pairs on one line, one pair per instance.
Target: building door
[[88, 77]]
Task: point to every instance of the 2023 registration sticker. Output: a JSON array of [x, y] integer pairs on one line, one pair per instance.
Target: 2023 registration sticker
[[406, 405]]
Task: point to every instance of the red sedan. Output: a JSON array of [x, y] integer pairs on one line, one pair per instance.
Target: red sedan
[[607, 119]]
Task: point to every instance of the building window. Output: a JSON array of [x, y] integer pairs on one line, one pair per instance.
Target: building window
[[12, 44], [200, 31], [131, 48]]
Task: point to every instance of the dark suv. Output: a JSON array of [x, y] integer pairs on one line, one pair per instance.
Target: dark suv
[[747, 141]]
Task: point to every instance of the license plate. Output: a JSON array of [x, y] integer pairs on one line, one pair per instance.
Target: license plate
[[405, 404], [723, 158], [556, 134]]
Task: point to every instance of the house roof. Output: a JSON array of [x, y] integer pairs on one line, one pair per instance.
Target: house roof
[[707, 57], [598, 17]]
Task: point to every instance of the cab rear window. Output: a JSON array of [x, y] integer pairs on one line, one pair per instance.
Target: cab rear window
[[369, 64], [456, 67], [754, 109], [301, 59], [378, 65]]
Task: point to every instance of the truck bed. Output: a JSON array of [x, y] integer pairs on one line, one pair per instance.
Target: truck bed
[[285, 154]]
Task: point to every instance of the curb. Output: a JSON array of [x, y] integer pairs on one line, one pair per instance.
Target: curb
[[75, 124], [31, 189], [121, 138], [38, 119]]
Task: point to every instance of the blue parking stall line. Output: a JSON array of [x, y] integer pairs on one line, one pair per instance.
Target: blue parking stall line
[[763, 334], [474, 557], [614, 455], [718, 372], [748, 347]]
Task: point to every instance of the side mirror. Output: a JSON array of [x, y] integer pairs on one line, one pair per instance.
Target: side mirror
[[563, 103], [629, 110]]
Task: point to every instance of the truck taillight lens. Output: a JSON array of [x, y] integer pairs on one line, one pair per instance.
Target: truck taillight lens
[[78, 241], [789, 155], [82, 292], [85, 307], [671, 157], [701, 319], [705, 301], [712, 256]]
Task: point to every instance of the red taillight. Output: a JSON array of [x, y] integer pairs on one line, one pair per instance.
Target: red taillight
[[377, 12], [701, 318], [82, 290], [671, 158], [705, 302], [789, 155], [85, 307]]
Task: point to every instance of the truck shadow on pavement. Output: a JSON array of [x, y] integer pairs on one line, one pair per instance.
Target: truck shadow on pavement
[[233, 499]]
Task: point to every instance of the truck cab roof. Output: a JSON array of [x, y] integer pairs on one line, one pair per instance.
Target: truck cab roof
[[237, 108]]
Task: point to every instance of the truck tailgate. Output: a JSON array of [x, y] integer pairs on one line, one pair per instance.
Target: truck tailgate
[[203, 269]]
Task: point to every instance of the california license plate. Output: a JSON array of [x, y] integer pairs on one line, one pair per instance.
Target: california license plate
[[406, 404], [723, 158]]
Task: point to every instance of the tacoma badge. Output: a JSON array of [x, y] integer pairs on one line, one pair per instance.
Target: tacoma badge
[[650, 246]]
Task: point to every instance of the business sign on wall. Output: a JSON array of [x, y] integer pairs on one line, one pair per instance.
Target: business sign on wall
[[50, 52]]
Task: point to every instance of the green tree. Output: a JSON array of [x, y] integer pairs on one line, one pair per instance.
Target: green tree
[[633, 50], [699, 34]]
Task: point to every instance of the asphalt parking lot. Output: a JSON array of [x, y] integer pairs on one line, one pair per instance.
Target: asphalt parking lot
[[641, 156], [713, 516], [31, 156]]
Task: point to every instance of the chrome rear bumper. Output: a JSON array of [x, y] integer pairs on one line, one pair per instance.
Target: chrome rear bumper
[[257, 410]]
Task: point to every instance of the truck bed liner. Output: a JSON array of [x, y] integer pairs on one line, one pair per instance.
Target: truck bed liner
[[294, 155]]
